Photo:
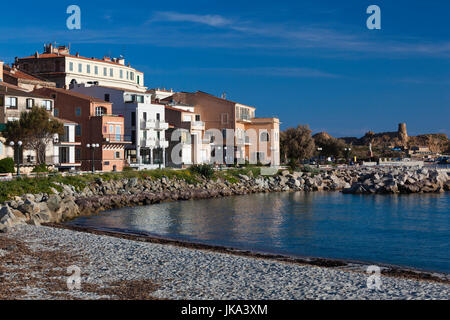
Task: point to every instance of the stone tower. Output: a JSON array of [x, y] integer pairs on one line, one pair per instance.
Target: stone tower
[[403, 134]]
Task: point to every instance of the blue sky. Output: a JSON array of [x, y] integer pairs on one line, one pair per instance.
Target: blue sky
[[306, 62]]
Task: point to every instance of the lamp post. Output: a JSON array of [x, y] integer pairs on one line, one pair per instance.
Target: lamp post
[[347, 153], [19, 146], [93, 146], [318, 158]]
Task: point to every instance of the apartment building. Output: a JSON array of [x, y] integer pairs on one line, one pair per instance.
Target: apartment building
[[96, 124], [56, 64], [185, 136], [60, 154], [144, 123], [255, 139]]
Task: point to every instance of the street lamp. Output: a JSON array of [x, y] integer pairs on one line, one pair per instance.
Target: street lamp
[[19, 146], [347, 153], [93, 146], [318, 158]]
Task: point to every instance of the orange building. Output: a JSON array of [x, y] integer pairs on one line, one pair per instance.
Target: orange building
[[96, 125], [255, 139]]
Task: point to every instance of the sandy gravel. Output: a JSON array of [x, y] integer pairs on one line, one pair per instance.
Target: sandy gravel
[[35, 260]]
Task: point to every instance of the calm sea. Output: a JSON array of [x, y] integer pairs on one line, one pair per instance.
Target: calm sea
[[409, 230]]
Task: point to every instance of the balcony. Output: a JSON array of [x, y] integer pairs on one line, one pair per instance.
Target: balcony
[[116, 138], [154, 143], [154, 125], [163, 143], [198, 125]]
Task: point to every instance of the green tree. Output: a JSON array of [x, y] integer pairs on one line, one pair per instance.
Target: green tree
[[297, 143], [36, 129], [331, 147]]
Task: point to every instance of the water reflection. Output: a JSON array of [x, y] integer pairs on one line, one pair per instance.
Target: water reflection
[[412, 230]]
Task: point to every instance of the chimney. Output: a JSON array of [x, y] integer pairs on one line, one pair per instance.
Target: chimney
[[1, 70]]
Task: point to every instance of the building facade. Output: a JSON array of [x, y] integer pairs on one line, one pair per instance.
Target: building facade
[[144, 123], [60, 153], [96, 124], [186, 147], [254, 139], [57, 65]]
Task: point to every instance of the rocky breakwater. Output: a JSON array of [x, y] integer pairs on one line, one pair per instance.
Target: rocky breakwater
[[100, 194], [398, 180]]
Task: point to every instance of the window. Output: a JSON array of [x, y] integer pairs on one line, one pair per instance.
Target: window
[[158, 116], [133, 137], [30, 103], [140, 99], [80, 67], [111, 129], [56, 112], [144, 115], [264, 137], [107, 97], [117, 155], [100, 111], [96, 69], [47, 104], [78, 154], [88, 68], [78, 112], [70, 66], [121, 74], [11, 103], [197, 117], [128, 75], [224, 118], [131, 76], [133, 119], [105, 72], [111, 72], [138, 79], [78, 130]]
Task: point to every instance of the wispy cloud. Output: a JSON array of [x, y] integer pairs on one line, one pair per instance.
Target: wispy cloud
[[209, 19], [285, 72]]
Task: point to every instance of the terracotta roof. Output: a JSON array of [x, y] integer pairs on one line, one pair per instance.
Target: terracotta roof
[[176, 109], [217, 98], [12, 90], [16, 73], [71, 93], [55, 55], [65, 120]]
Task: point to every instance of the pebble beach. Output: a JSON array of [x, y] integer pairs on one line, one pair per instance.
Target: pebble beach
[[35, 259]]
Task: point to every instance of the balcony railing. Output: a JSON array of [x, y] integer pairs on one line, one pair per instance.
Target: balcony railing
[[154, 125], [154, 143], [116, 138]]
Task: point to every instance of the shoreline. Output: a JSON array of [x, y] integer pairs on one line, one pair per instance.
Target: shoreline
[[35, 261], [388, 270]]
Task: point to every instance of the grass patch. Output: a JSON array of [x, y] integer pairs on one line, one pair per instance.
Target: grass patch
[[44, 183]]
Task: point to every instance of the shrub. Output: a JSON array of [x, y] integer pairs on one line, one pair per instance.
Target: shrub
[[40, 168], [292, 164], [206, 170], [7, 165]]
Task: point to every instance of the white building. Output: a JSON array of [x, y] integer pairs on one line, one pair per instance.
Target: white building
[[56, 64], [144, 123], [64, 148]]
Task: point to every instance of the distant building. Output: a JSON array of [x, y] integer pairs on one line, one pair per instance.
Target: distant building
[[60, 154], [96, 124], [56, 64], [24, 80], [221, 114], [193, 149], [144, 123]]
